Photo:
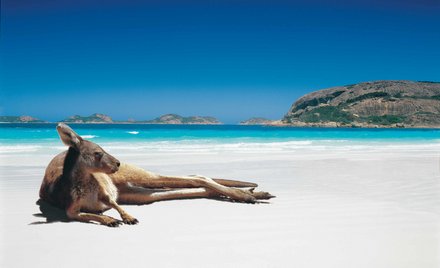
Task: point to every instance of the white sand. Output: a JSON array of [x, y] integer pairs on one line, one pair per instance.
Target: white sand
[[333, 209]]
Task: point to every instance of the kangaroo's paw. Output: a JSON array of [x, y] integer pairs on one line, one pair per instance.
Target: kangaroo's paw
[[111, 222], [127, 219], [261, 195], [241, 195], [250, 196]]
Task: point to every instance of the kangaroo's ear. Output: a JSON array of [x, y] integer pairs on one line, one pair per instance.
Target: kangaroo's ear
[[68, 136]]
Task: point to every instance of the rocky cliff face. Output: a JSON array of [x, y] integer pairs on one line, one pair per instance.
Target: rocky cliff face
[[370, 104], [177, 119]]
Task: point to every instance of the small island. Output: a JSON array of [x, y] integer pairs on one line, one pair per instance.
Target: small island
[[98, 118], [175, 119], [172, 119], [20, 119], [94, 118], [257, 121]]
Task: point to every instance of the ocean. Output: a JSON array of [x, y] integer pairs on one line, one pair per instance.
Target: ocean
[[22, 138]]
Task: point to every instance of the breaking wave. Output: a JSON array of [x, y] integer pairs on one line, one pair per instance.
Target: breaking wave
[[89, 136]]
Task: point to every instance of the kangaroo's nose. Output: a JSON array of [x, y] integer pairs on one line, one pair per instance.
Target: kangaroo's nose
[[118, 163]]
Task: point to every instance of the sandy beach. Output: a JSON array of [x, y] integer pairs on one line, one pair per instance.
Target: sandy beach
[[334, 208]]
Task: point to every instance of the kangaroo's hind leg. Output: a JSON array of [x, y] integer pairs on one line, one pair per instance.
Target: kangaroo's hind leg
[[235, 194], [140, 196], [139, 177], [133, 174]]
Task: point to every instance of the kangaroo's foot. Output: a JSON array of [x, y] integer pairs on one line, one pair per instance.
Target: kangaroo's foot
[[236, 194], [248, 196], [260, 195], [110, 222], [127, 219]]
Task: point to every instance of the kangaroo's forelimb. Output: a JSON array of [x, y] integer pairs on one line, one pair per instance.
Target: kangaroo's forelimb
[[74, 213]]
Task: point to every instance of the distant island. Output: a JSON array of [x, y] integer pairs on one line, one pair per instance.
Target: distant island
[[371, 104], [257, 121], [20, 119], [177, 119], [172, 119], [94, 118], [377, 104], [98, 118]]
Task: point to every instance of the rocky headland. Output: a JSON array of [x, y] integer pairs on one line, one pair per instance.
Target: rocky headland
[[371, 104]]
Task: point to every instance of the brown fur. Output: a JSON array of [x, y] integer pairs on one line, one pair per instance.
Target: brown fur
[[86, 181]]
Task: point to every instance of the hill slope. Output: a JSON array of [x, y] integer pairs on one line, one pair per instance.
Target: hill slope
[[370, 104]]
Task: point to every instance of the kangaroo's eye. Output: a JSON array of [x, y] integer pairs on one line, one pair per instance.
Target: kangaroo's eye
[[98, 155]]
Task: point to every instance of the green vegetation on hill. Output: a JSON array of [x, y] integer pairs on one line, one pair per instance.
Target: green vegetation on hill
[[386, 119], [326, 114]]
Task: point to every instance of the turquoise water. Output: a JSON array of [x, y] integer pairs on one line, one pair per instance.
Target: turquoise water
[[42, 133]]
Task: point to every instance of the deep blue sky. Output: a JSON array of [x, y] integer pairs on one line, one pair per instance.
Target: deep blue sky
[[228, 59]]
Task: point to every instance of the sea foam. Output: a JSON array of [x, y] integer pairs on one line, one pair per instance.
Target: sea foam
[[89, 136], [19, 148]]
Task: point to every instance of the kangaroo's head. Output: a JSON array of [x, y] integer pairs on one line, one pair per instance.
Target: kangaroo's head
[[90, 155]]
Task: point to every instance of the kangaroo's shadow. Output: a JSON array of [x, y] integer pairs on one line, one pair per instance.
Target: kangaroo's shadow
[[50, 213]]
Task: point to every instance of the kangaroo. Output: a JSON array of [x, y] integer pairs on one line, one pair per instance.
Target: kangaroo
[[85, 181]]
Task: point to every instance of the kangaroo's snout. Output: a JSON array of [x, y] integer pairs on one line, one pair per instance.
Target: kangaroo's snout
[[116, 167], [110, 163]]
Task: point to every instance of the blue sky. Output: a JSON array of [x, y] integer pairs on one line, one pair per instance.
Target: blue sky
[[228, 59]]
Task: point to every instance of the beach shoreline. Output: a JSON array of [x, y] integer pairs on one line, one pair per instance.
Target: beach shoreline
[[333, 209]]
